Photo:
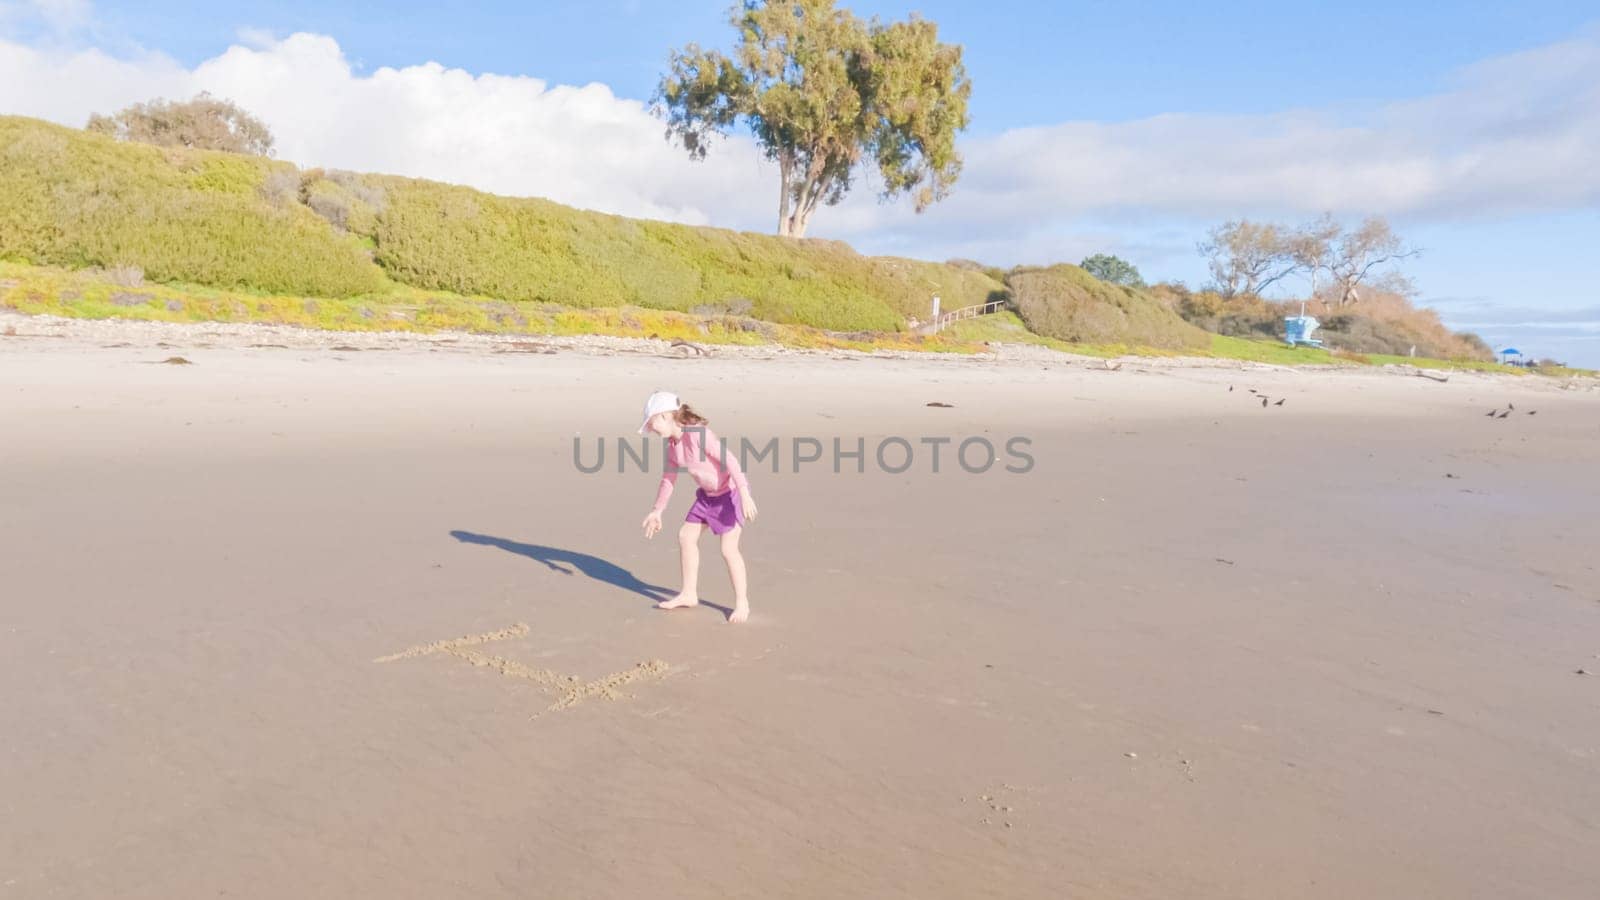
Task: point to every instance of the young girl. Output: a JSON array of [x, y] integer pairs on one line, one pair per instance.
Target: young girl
[[722, 500]]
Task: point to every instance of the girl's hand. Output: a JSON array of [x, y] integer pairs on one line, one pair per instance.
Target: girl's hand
[[748, 504], [652, 524]]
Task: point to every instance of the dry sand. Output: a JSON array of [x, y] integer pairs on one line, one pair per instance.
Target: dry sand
[[1203, 649]]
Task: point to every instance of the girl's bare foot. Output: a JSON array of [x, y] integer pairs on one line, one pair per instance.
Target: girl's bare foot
[[741, 612], [679, 602]]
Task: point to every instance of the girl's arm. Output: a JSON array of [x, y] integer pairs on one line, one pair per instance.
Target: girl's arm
[[664, 493], [730, 462]]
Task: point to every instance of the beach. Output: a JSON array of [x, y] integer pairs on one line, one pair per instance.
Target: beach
[[337, 620]]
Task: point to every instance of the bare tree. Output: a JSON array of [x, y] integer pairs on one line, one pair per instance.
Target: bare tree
[[1248, 257], [1311, 246], [205, 122], [1359, 253]]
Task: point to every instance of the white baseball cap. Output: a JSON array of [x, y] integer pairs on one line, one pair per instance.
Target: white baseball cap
[[659, 402]]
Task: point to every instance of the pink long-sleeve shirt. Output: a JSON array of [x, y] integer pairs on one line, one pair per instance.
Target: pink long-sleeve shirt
[[699, 453]]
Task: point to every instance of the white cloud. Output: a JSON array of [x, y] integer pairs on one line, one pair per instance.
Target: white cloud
[[1515, 135], [511, 135], [51, 85]]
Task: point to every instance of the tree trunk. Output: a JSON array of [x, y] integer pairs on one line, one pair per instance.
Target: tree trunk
[[792, 225], [1348, 294], [800, 217], [799, 201], [805, 206], [804, 217], [785, 165]]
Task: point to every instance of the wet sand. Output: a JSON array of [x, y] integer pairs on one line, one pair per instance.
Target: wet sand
[[1202, 649]]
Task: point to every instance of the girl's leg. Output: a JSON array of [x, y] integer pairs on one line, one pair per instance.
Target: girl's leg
[[689, 558], [735, 561]]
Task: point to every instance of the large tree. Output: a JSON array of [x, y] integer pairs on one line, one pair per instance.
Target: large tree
[[821, 91], [204, 122], [1360, 253]]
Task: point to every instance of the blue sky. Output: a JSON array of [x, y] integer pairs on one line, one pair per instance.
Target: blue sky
[[1094, 85], [1034, 63]]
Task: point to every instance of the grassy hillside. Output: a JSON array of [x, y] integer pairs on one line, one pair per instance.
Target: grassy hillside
[[1066, 303], [72, 198], [82, 200], [452, 238]]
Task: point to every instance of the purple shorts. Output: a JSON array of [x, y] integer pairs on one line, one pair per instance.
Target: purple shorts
[[721, 511]]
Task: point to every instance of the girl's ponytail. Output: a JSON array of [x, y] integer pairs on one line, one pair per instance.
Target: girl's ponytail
[[687, 416]]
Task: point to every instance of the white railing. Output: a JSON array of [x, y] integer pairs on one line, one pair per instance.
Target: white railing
[[967, 312]]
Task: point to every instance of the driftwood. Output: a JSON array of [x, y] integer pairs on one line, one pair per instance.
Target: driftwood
[[1431, 376], [695, 348], [526, 347]]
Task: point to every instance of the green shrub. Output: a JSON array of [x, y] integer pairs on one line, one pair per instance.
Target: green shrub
[[79, 199], [346, 200], [1069, 304], [281, 188], [972, 265], [452, 238]]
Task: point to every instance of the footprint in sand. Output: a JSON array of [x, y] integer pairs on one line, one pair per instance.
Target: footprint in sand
[[998, 806]]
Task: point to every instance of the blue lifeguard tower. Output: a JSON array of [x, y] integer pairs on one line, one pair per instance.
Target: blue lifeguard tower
[[1297, 329], [1511, 356]]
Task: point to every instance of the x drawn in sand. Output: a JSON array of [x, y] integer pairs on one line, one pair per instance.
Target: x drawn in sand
[[571, 688]]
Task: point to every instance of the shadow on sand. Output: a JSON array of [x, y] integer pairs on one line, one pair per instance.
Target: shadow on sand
[[568, 561]]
